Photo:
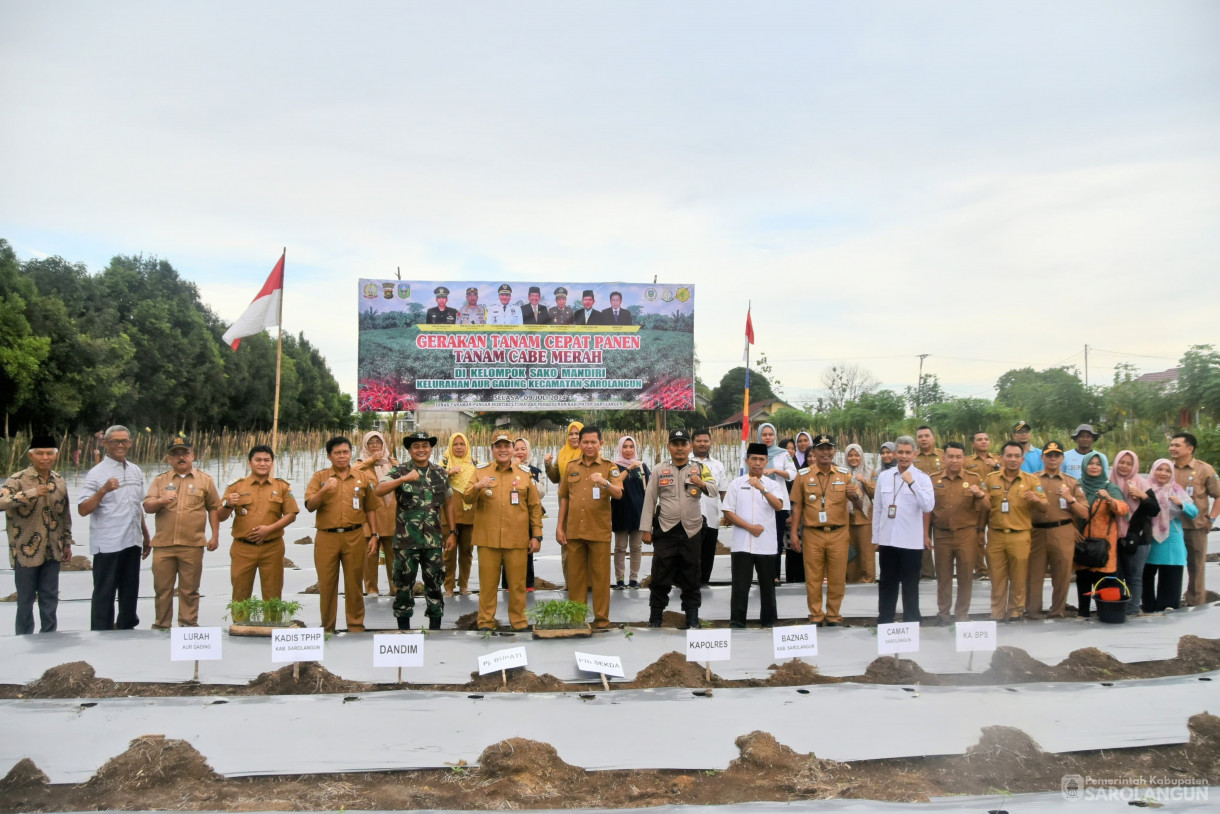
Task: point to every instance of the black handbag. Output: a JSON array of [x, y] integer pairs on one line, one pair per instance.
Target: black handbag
[[1092, 552]]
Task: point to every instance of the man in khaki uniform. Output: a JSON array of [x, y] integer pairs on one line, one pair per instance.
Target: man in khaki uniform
[[1012, 495], [262, 507], [982, 463], [584, 523], [1053, 538], [184, 501], [343, 500], [928, 460], [818, 529], [958, 519], [1200, 482], [507, 529]]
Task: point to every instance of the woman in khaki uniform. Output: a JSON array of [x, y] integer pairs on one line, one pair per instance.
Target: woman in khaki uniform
[[863, 567], [375, 459]]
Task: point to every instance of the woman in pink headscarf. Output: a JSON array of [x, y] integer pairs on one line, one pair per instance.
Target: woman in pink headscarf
[[1134, 533], [1167, 551]]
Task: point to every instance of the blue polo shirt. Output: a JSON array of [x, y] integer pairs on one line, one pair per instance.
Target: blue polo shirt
[[1033, 461]]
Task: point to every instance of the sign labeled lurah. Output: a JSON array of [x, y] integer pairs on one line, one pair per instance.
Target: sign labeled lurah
[[797, 641], [502, 660], [898, 637], [297, 644], [398, 650], [194, 644], [707, 645]]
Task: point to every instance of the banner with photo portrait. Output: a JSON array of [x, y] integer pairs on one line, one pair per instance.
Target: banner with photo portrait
[[525, 346]]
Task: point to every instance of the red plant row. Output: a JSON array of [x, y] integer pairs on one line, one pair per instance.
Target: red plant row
[[381, 396], [675, 394]]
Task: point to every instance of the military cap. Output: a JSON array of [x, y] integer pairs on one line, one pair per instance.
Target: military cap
[[535, 289], [418, 435], [1052, 446], [823, 441], [179, 440], [44, 442], [504, 288], [472, 290], [561, 292], [679, 435], [1022, 426], [441, 291]]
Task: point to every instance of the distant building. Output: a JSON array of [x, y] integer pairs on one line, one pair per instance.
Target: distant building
[[759, 412], [1169, 380]]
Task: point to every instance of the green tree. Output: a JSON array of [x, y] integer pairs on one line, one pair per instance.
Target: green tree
[[928, 393], [790, 419], [21, 351], [1054, 398], [1199, 379], [727, 397]]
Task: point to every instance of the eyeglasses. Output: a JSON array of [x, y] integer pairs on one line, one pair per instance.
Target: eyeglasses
[[119, 442]]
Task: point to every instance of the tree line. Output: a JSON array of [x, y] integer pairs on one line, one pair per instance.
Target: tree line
[[133, 344]]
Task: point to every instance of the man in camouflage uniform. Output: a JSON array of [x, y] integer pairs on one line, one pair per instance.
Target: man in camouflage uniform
[[421, 489]]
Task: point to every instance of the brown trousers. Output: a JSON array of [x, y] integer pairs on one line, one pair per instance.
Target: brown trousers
[[267, 559], [954, 550], [513, 561], [589, 568], [1196, 562], [864, 567], [825, 555], [460, 557], [181, 564], [1054, 547], [371, 561], [1008, 562], [330, 551]]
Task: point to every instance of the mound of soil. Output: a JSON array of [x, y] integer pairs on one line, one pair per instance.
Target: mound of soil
[[796, 673], [79, 562], [803, 776], [671, 670], [761, 752], [1199, 655], [889, 670], [23, 775], [312, 589], [1012, 665], [314, 679], [531, 767], [306, 540], [290, 564], [721, 548], [519, 680], [468, 621], [152, 761], [1090, 664], [646, 583], [1002, 755], [76, 679], [10, 598], [541, 584]]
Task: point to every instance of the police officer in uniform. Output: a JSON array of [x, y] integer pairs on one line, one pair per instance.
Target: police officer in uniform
[[472, 313], [442, 314], [534, 313], [561, 313], [507, 529], [819, 529], [584, 524], [261, 507], [672, 523], [421, 491], [502, 312]]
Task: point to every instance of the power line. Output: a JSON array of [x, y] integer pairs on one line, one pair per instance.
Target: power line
[[1140, 355]]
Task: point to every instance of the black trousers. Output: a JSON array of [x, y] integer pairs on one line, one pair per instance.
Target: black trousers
[[745, 565], [41, 582], [1162, 587], [707, 552], [781, 544], [117, 573], [675, 561], [899, 569]]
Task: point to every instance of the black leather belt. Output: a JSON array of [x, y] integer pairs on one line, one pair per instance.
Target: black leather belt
[[826, 528], [251, 542], [341, 529], [1054, 525]]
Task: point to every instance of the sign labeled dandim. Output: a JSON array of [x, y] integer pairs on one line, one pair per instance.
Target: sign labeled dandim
[[526, 346]]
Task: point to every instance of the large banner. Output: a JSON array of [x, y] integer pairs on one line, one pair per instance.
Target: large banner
[[526, 346]]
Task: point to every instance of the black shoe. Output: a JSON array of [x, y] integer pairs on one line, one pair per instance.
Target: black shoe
[[404, 622], [434, 624], [633, 584], [618, 586], [692, 620], [654, 618]]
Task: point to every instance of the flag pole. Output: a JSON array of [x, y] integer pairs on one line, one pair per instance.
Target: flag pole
[[279, 356], [745, 410]]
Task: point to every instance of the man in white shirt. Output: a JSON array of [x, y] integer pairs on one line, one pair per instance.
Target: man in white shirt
[[750, 503], [701, 447], [902, 508], [502, 313], [112, 497], [1085, 436]]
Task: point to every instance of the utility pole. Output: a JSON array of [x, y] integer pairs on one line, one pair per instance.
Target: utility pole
[[1086, 366], [919, 383]]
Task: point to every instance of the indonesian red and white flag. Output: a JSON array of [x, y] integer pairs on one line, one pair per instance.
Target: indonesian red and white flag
[[263, 312]]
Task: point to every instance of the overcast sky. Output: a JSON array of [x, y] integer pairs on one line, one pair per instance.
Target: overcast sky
[[992, 184]]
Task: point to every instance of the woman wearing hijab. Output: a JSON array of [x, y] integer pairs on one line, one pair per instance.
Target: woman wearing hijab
[[1106, 506], [862, 567], [460, 464], [780, 469], [886, 454], [1162, 587], [376, 460], [625, 511], [555, 468], [804, 457], [1134, 531], [523, 454]]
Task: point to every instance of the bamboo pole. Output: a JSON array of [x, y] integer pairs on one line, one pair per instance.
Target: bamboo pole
[[279, 356]]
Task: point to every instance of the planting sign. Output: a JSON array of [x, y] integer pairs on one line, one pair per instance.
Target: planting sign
[[525, 346], [898, 637], [398, 650], [297, 644], [707, 645], [194, 644]]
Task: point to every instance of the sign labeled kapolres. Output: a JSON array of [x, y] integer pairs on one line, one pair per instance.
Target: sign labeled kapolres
[[526, 346]]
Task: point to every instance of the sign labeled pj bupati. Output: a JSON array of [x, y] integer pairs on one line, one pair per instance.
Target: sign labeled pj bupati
[[526, 346]]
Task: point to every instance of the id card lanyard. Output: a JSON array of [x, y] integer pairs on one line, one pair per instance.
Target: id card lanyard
[[1004, 507], [822, 516], [893, 510]]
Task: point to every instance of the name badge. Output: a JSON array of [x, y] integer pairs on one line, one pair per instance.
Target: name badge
[[1063, 502], [1004, 507], [822, 516], [355, 501], [514, 497], [1190, 491], [597, 493], [667, 481], [893, 512]]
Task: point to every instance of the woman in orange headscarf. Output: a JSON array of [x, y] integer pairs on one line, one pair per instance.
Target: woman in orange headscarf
[[460, 465]]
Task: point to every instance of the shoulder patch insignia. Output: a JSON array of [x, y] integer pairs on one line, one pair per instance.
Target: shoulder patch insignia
[[804, 471], [484, 466]]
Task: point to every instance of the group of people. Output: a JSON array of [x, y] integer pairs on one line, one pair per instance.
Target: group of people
[[923, 511], [533, 312]]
